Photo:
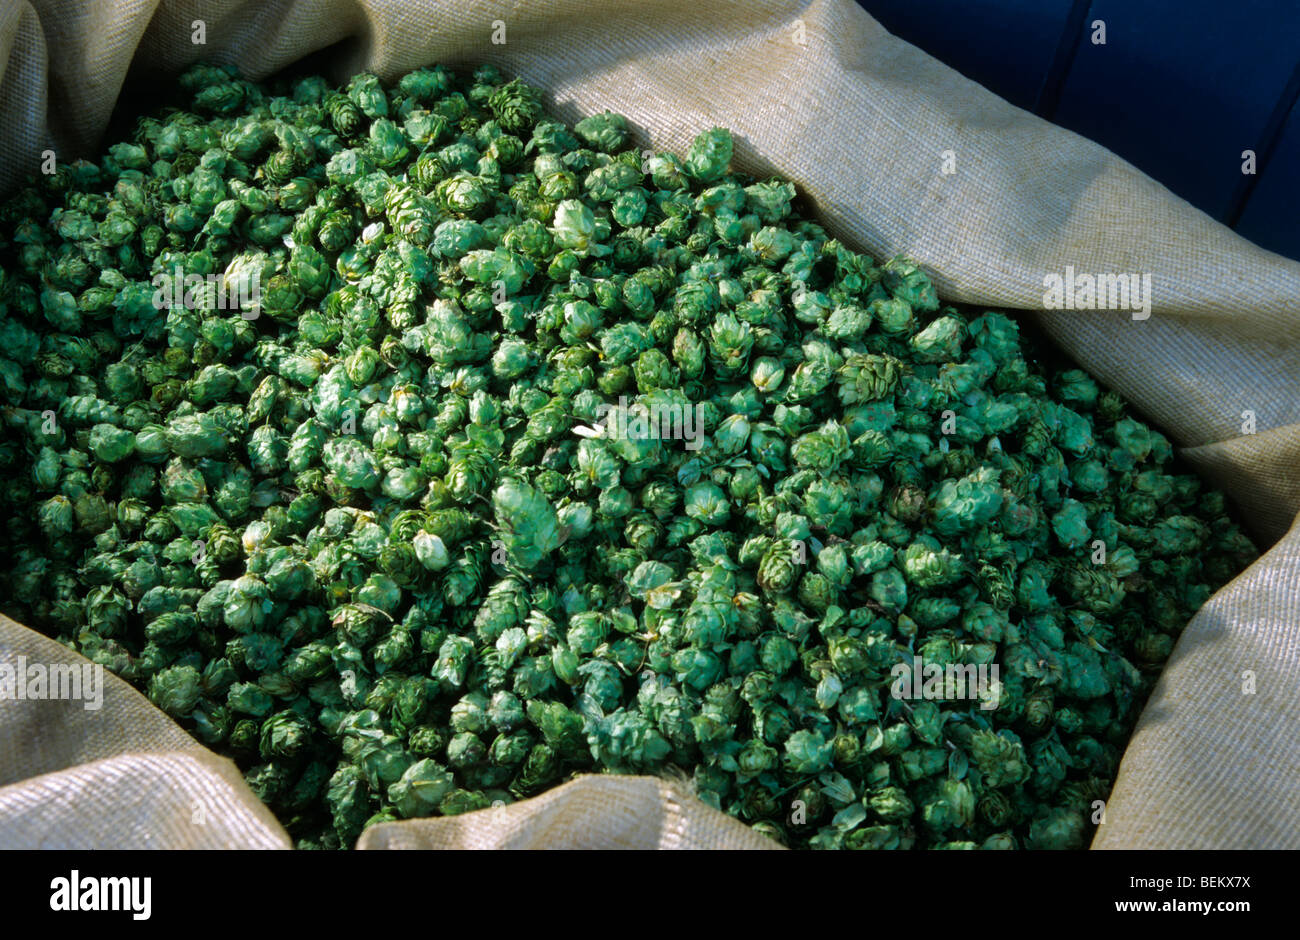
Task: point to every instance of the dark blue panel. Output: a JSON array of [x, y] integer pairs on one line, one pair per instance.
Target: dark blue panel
[[1005, 45], [1272, 216], [1181, 87]]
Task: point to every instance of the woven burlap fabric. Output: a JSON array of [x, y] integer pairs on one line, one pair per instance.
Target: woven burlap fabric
[[118, 776], [1213, 762], [820, 93], [605, 811]]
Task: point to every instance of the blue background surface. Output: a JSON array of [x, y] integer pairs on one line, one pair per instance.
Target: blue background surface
[[1180, 88]]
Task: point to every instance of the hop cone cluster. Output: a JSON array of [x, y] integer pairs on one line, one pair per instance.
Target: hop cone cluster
[[309, 400]]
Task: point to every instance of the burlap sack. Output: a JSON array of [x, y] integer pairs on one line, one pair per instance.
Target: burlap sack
[[817, 92]]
